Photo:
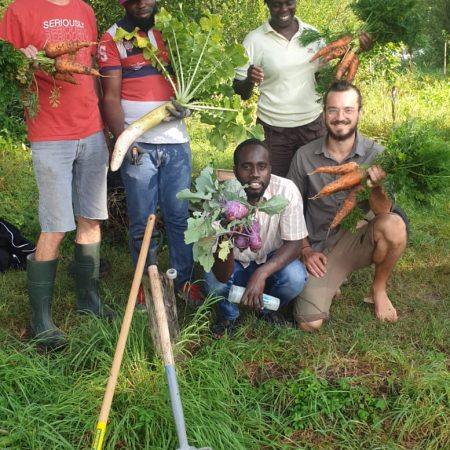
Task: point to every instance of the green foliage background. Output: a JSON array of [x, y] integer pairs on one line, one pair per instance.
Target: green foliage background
[[241, 16], [357, 384]]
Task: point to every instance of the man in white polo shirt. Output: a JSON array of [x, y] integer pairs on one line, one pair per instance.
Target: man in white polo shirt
[[288, 106], [275, 268]]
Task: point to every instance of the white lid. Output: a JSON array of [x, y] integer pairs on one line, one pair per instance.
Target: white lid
[[236, 293], [171, 274]]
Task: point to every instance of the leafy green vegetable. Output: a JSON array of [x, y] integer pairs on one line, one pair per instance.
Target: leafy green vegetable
[[386, 21], [309, 36], [204, 66], [15, 75], [206, 229], [416, 160], [17, 72], [389, 20]]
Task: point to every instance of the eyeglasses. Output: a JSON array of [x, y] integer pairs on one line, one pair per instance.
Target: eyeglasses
[[335, 111]]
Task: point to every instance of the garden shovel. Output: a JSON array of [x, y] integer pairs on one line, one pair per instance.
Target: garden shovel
[[169, 363]]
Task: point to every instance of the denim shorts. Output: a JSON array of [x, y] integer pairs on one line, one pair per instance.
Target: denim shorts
[[71, 179]]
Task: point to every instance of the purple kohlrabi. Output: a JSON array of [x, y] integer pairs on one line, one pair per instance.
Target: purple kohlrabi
[[235, 210], [241, 242], [255, 242], [256, 226]]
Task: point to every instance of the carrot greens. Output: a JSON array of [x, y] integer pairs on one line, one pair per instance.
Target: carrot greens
[[416, 160], [384, 20], [19, 72]]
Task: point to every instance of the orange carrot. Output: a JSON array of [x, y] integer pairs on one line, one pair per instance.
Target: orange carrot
[[334, 53], [347, 181], [54, 49], [337, 170], [341, 42], [67, 77], [65, 65], [343, 65], [349, 204], [352, 69]]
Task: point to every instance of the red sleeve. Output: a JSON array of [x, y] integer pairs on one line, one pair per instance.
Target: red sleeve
[[108, 56]]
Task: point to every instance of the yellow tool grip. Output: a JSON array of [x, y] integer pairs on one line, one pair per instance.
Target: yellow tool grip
[[99, 436]]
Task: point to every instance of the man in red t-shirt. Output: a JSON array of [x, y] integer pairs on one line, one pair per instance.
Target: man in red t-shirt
[[70, 159]]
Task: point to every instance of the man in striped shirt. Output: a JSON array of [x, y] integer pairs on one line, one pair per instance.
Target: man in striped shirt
[[274, 269], [159, 164]]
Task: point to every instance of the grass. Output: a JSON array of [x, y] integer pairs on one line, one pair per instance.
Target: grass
[[357, 384]]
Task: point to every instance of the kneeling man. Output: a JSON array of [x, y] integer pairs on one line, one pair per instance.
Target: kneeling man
[[330, 256], [275, 269]]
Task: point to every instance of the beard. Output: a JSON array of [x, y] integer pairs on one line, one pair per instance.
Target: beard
[[255, 195], [341, 137], [144, 24]]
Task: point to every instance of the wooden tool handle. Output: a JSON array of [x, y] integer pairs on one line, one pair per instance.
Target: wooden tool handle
[[161, 317], [118, 355]]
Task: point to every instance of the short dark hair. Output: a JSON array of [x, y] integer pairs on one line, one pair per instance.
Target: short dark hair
[[342, 86], [246, 143]]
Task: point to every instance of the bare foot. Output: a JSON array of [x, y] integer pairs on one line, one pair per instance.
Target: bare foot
[[384, 310]]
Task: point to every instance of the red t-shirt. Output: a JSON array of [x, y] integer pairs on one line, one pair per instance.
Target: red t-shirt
[[37, 22]]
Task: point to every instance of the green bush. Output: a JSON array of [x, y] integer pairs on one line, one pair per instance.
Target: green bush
[[107, 12]]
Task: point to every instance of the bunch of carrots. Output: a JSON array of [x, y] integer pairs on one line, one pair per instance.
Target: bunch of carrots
[[347, 50], [352, 177], [58, 60]]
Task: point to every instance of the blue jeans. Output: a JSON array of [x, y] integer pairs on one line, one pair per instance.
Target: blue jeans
[[165, 170], [285, 284]]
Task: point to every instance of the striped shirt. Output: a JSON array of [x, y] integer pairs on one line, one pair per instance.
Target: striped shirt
[[144, 88], [289, 225]]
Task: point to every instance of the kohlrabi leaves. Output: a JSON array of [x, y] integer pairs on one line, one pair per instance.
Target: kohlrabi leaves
[[275, 205], [203, 252]]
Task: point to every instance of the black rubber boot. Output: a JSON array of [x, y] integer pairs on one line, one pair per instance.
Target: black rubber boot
[[87, 263], [40, 280]]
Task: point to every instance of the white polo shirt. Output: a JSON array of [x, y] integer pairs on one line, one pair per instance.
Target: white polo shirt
[[288, 93]]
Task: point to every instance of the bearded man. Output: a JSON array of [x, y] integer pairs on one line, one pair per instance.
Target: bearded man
[[274, 268], [330, 256], [159, 164]]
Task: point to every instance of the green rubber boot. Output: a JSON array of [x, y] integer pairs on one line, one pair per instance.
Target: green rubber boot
[[40, 281], [87, 263]]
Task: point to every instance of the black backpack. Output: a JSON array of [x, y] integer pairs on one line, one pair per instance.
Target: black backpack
[[14, 248]]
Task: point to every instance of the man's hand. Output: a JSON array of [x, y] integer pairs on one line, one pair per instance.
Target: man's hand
[[378, 199], [177, 111], [255, 74], [30, 51], [375, 175], [134, 154], [315, 262], [253, 295]]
